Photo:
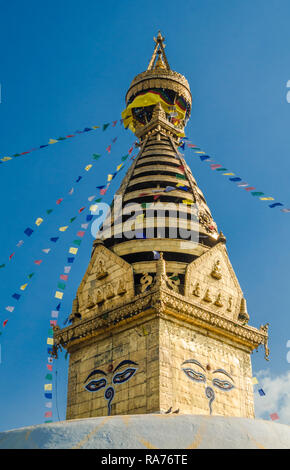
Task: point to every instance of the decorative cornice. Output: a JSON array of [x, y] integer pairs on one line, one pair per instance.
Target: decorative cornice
[[160, 300]]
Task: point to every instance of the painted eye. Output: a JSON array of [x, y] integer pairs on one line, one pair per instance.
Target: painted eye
[[193, 375], [121, 377], [95, 385], [223, 384]]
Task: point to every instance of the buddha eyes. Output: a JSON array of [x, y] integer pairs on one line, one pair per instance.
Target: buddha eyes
[[122, 377], [193, 375], [222, 384], [95, 385]]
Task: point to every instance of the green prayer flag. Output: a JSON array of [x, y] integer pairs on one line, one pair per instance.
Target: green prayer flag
[[30, 275], [48, 377], [61, 285], [222, 169], [72, 219], [2, 265], [96, 156], [181, 177], [49, 211], [77, 242], [50, 331], [61, 138], [105, 126], [98, 200], [65, 356], [257, 193], [124, 158]]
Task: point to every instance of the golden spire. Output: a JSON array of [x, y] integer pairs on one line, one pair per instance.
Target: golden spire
[[161, 62]]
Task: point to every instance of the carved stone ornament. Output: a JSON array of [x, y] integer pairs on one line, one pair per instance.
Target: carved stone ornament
[[207, 297], [101, 273], [121, 287], [218, 301], [146, 281], [196, 290], [99, 296], [110, 291], [216, 272]]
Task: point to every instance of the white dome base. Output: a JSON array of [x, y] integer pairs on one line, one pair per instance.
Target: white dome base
[[152, 431]]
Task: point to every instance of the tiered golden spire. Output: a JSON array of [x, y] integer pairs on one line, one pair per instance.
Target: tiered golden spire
[[161, 62]]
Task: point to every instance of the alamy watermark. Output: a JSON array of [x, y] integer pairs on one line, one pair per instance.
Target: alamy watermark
[[147, 220]]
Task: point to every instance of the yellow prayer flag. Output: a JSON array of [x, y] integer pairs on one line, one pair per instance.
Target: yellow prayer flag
[[38, 221], [186, 201], [88, 167], [49, 341], [5, 159], [48, 387], [119, 166], [232, 174], [266, 198], [63, 229], [52, 141], [58, 295], [93, 207], [96, 127], [110, 177], [198, 151], [73, 250], [254, 381], [23, 287]]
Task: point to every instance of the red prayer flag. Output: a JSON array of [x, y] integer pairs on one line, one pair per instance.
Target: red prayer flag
[[4, 323], [38, 261], [103, 191], [250, 188], [191, 146], [48, 414], [80, 233], [49, 366], [109, 148], [274, 416], [53, 322], [81, 209], [59, 201], [214, 166], [11, 256], [114, 123], [130, 150], [64, 277]]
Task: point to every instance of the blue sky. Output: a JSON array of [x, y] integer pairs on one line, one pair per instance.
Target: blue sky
[[67, 65]]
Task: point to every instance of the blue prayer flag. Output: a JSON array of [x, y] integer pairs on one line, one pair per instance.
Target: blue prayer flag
[[28, 231]]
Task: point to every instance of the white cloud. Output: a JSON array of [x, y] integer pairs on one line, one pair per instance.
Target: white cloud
[[277, 398]]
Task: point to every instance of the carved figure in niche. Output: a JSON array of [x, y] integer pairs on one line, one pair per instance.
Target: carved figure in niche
[[101, 272], [218, 301], [110, 291], [216, 270], [99, 296], [173, 282], [121, 287], [202, 375], [99, 379], [230, 304], [196, 290], [146, 281], [90, 302], [207, 296]]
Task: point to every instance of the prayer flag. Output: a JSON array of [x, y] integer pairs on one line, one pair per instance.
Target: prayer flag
[[105, 126], [109, 148], [81, 209], [204, 157], [54, 239], [181, 177], [119, 166], [77, 242], [59, 201], [54, 314], [28, 231], [67, 269], [257, 193], [230, 174], [235, 179], [49, 211], [38, 221], [16, 296], [9, 308], [72, 219], [48, 387], [130, 150], [61, 285], [191, 146], [124, 158], [49, 367], [48, 414], [73, 250], [30, 275], [23, 287], [78, 179], [254, 381], [11, 256], [274, 416], [214, 166], [58, 295], [261, 392], [80, 233], [114, 123], [4, 323], [88, 167], [48, 404], [96, 156], [275, 204], [63, 277], [91, 198], [48, 395], [63, 229], [20, 243], [285, 210], [267, 199], [169, 188], [71, 191], [48, 377], [250, 188], [89, 218], [38, 261], [46, 250], [70, 260]]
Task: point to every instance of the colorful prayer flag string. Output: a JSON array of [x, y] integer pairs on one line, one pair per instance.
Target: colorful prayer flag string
[[235, 179]]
